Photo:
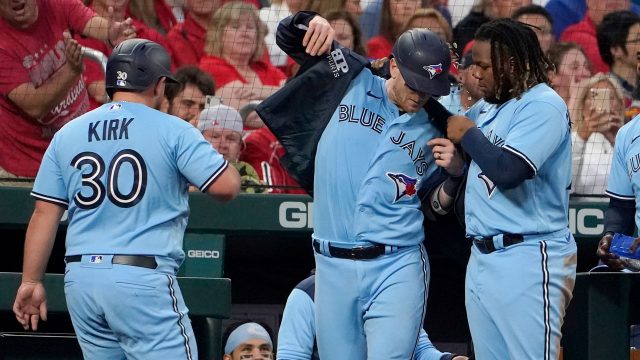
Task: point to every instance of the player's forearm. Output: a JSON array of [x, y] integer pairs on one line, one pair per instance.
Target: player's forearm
[[41, 235], [98, 28], [38, 102], [620, 216]]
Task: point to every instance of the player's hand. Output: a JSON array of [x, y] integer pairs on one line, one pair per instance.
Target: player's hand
[[610, 259], [73, 53], [460, 358], [378, 64], [119, 31], [319, 37], [30, 305], [447, 156], [457, 126]]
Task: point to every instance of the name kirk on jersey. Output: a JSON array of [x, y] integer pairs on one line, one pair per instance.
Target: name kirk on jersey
[[114, 129]]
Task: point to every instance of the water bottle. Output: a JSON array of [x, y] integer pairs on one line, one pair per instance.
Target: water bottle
[[620, 246]]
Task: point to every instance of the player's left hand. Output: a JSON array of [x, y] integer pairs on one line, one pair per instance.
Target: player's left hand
[[319, 37], [447, 156], [31, 304], [457, 126]]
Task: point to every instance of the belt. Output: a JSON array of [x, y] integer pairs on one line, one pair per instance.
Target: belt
[[148, 262], [487, 246], [354, 253]]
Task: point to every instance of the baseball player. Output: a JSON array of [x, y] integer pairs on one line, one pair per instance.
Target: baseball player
[[297, 334], [522, 269], [371, 159], [122, 171]]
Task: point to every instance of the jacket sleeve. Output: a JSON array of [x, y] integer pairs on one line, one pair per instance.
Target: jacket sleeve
[[290, 33]]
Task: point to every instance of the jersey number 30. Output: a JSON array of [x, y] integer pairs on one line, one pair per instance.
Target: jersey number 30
[[92, 179]]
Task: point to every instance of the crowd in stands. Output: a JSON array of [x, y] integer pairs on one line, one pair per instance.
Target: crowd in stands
[[228, 49]]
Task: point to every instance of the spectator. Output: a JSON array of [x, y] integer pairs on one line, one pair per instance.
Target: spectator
[[186, 39], [187, 98], [596, 122], [584, 32], [93, 74], [325, 6], [41, 86], [347, 31], [619, 43], [271, 16], [395, 15], [155, 14], [263, 151], [481, 12], [371, 14], [297, 334], [540, 21], [233, 51], [431, 19], [571, 67], [221, 126], [247, 340], [465, 92]]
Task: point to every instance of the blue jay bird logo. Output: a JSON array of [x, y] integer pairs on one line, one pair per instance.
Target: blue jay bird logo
[[405, 185], [433, 70]]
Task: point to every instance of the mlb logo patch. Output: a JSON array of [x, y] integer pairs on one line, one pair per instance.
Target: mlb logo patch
[[115, 107], [96, 259], [121, 83]]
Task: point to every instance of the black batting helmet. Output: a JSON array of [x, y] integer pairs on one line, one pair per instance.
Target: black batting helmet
[[136, 64], [424, 60]]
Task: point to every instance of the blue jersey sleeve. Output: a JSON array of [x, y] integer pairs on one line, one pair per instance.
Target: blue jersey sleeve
[[197, 160], [49, 185], [619, 185], [425, 349], [297, 333], [536, 131]]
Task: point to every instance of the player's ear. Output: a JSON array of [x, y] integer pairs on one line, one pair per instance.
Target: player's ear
[[160, 86], [393, 68]]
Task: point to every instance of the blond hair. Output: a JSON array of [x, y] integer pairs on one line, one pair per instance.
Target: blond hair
[[576, 108], [434, 14], [228, 13]]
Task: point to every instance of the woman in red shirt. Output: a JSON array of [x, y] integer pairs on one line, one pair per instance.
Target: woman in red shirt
[[233, 56], [395, 14]]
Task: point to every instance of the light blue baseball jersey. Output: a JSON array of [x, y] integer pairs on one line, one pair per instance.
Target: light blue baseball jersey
[[123, 171], [535, 128], [452, 101], [624, 183], [369, 165]]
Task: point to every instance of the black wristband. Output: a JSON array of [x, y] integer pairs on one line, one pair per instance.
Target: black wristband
[[451, 184]]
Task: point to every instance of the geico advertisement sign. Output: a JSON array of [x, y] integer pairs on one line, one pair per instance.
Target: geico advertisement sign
[[296, 215], [585, 221], [203, 254]]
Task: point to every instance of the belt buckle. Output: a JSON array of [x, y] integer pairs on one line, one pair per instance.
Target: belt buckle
[[354, 251], [481, 244]]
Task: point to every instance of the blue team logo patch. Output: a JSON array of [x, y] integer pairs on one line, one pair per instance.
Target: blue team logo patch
[[433, 70], [96, 259], [405, 185]]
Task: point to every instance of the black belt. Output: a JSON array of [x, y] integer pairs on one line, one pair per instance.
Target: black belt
[[148, 262], [486, 245], [354, 253]]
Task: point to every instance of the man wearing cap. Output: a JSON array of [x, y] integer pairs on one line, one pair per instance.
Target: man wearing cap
[[221, 126], [122, 171], [365, 147], [247, 340], [465, 92]]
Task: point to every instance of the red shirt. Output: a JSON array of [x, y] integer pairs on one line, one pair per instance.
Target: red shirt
[[224, 73], [379, 47], [263, 152], [186, 42], [165, 15], [584, 34], [34, 55]]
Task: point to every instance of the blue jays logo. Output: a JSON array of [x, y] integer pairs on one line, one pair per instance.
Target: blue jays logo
[[488, 184], [405, 185], [433, 70]]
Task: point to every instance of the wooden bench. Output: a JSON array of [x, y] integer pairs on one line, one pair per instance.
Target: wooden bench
[[208, 300]]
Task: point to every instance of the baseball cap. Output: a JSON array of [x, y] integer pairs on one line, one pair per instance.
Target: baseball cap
[[244, 333], [220, 117], [248, 108]]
